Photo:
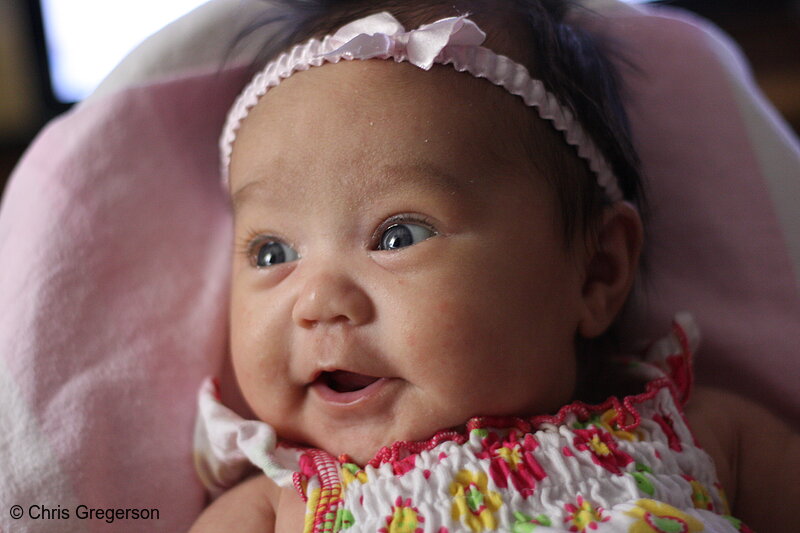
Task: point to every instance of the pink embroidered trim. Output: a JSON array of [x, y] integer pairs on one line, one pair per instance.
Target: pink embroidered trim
[[320, 464], [297, 482], [402, 449]]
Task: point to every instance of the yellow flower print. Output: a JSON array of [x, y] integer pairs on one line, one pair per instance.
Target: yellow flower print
[[473, 503], [352, 472], [609, 422], [603, 448], [311, 509], [700, 496], [726, 508], [598, 446], [405, 518], [323, 510], [510, 456], [657, 517], [584, 515]]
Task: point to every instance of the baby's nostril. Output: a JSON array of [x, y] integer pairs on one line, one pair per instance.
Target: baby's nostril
[[343, 381]]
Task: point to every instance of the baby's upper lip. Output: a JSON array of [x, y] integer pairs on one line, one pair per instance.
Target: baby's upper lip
[[349, 356], [343, 381], [344, 372]]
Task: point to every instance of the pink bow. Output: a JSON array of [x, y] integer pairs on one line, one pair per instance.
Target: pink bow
[[382, 36]]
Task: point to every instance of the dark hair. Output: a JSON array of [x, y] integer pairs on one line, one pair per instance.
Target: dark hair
[[572, 64]]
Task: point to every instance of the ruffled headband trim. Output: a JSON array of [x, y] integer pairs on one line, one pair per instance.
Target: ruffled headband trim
[[452, 41]]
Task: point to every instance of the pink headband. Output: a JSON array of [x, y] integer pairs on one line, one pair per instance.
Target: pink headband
[[452, 41]]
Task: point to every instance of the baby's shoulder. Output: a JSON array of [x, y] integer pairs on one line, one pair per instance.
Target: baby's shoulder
[[711, 415], [250, 506], [757, 454]]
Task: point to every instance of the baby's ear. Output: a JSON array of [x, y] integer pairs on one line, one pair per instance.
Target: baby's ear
[[611, 265]]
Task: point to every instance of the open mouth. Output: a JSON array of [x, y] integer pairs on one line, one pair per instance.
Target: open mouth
[[342, 381]]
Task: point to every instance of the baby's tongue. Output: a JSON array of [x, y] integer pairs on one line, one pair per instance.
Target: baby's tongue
[[343, 381]]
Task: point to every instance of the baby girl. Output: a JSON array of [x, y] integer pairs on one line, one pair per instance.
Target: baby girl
[[437, 219]]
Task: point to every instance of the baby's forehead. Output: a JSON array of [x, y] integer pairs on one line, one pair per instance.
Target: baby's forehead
[[379, 114]]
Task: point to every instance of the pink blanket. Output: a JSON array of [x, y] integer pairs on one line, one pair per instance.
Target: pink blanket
[[114, 249]]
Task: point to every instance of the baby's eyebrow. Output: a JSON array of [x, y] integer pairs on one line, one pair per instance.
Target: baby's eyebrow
[[387, 179], [423, 175], [249, 190]]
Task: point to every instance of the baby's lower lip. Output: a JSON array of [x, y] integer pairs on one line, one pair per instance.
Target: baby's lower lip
[[346, 398]]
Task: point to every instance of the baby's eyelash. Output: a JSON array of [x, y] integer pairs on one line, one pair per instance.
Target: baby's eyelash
[[407, 217], [403, 218], [244, 246]]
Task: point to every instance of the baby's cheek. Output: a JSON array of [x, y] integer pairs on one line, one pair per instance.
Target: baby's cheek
[[420, 321], [443, 325], [442, 338], [411, 340]]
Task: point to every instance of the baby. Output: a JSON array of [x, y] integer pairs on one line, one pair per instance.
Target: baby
[[428, 266]]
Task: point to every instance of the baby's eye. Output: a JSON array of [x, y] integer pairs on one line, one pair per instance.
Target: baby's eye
[[269, 253], [402, 235]]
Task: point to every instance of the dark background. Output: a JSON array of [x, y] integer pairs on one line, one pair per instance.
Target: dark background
[[767, 30]]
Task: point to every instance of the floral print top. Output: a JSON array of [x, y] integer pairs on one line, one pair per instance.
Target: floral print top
[[627, 465]]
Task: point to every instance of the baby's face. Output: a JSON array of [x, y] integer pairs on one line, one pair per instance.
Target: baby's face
[[399, 268]]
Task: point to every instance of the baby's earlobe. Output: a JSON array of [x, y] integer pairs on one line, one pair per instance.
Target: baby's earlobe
[[611, 268]]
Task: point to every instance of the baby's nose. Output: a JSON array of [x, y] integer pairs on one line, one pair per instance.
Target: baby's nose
[[329, 298]]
